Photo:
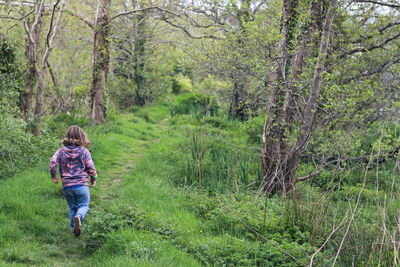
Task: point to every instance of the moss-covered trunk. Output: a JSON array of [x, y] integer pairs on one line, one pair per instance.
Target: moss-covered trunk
[[142, 94], [280, 157], [32, 29], [101, 61]]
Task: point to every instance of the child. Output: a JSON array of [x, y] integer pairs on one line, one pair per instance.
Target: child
[[75, 166]]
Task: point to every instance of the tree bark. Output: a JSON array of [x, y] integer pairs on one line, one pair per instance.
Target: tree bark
[[237, 109], [306, 38], [57, 101], [101, 54], [101, 62], [42, 74], [32, 39], [274, 146], [311, 107], [142, 94], [30, 83], [280, 159]]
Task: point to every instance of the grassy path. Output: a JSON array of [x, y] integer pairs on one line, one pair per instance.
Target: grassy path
[[33, 214]]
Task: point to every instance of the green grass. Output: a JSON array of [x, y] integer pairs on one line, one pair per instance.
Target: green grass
[[138, 216], [142, 214], [33, 213]]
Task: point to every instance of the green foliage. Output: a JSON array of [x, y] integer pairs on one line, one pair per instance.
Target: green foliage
[[153, 223], [254, 129], [380, 140], [194, 104], [121, 218], [146, 221], [10, 77], [226, 250], [183, 119], [122, 93], [181, 84], [152, 114], [18, 147], [206, 161], [212, 86], [60, 123], [243, 216], [217, 122]]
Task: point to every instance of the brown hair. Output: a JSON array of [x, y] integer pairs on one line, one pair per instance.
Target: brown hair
[[75, 136]]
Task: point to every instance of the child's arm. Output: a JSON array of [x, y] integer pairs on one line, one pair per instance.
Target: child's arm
[[90, 168], [54, 161]]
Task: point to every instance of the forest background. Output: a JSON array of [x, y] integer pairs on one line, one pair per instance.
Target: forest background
[[284, 113]]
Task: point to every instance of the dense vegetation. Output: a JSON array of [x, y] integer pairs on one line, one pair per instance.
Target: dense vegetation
[[238, 133]]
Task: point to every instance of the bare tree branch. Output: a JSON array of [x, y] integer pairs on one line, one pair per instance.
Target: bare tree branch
[[27, 31], [75, 14], [125, 13], [19, 3], [15, 18], [326, 241], [373, 47], [188, 33], [82, 17], [392, 5], [380, 31], [38, 15]]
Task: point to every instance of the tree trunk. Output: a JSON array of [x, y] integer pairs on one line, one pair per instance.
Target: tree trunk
[[101, 61], [274, 146], [39, 101], [302, 52], [237, 109], [142, 92], [57, 101], [53, 27], [30, 83], [279, 158], [32, 40], [311, 107]]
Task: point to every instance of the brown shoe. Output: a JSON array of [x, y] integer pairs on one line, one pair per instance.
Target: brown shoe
[[77, 225]]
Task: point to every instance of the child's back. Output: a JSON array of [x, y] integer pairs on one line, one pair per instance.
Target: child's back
[[75, 165]]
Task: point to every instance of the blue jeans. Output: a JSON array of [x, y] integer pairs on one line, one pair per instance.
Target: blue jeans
[[78, 202]]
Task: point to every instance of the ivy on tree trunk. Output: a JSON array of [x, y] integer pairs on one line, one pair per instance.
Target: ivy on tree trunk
[[101, 61], [280, 156]]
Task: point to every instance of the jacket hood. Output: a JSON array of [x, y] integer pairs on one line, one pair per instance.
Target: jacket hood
[[72, 152]]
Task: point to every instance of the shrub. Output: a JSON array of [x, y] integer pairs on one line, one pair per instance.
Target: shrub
[[18, 147], [122, 217], [211, 85], [209, 163], [181, 84], [227, 250], [195, 104], [254, 129], [182, 119], [59, 124], [122, 92], [217, 122], [10, 77]]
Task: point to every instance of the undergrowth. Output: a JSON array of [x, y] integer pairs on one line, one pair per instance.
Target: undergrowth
[[184, 191]]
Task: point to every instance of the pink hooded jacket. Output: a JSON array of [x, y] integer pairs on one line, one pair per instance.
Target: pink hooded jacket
[[75, 165]]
